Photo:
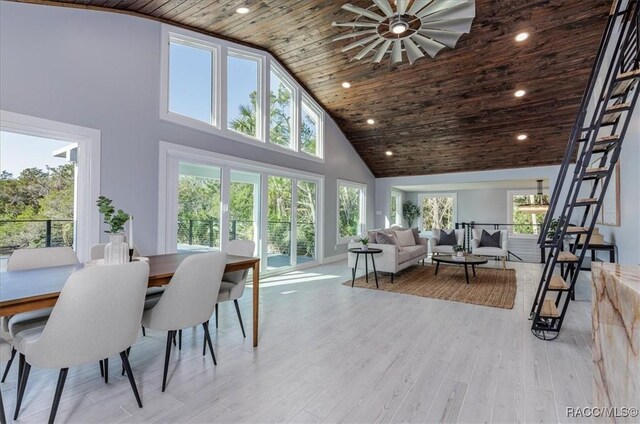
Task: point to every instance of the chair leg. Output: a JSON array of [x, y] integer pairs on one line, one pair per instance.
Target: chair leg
[[26, 368], [166, 359], [216, 316], [235, 302], [20, 369], [101, 368], [106, 370], [128, 350], [56, 398], [144, 332], [179, 339], [6, 370], [125, 362], [174, 339], [504, 263], [207, 336]]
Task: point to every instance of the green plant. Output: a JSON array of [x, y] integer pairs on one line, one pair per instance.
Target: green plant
[[458, 248], [115, 219], [410, 211], [553, 227], [364, 240]]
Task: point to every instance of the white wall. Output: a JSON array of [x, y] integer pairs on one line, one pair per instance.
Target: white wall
[[102, 70]]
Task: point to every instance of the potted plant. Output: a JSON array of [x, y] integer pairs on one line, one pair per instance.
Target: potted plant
[[553, 227], [410, 211], [365, 243], [458, 250], [117, 250]]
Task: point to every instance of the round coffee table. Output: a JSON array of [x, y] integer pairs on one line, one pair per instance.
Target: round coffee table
[[369, 251], [468, 260]]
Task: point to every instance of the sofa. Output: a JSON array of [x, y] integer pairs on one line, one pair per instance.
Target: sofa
[[501, 252], [434, 242], [393, 258]]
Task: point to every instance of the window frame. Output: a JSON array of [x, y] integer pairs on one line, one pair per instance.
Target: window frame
[[242, 54], [423, 196], [363, 209], [295, 109], [510, 194], [306, 101]]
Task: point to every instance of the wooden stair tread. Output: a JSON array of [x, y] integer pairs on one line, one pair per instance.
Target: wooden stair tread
[[618, 106], [573, 230], [607, 138], [621, 87], [587, 200], [611, 118], [558, 283], [549, 309], [567, 257], [595, 170], [631, 74]]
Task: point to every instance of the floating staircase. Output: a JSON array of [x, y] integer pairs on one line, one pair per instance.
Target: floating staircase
[[611, 96]]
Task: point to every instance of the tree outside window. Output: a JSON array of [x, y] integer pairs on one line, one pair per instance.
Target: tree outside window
[[526, 223], [437, 212], [350, 208]]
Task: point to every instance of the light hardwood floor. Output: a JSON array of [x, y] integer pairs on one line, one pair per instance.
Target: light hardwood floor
[[330, 353]]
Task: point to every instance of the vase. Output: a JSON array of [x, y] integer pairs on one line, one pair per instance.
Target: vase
[[365, 247], [459, 254], [116, 251]]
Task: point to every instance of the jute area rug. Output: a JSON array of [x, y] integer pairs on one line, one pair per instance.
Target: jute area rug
[[492, 287]]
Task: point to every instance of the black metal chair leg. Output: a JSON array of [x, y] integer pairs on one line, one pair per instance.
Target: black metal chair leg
[[174, 338], [205, 325], [144, 332], [127, 367], [128, 350], [216, 316], [22, 386], [20, 369], [106, 370], [3, 418], [167, 354], [6, 370], [235, 302], [101, 368], [56, 398], [179, 339]]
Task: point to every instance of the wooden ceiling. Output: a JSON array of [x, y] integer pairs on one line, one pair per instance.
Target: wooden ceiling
[[453, 113]]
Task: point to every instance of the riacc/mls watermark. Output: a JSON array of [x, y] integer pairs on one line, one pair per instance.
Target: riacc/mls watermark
[[604, 412]]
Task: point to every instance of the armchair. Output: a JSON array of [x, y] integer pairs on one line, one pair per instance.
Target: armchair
[[434, 242], [501, 252]]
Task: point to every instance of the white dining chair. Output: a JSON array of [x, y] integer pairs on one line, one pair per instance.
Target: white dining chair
[[233, 283], [97, 315], [25, 259], [188, 300]]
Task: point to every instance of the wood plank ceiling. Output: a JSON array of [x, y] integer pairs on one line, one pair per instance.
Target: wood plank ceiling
[[453, 113]]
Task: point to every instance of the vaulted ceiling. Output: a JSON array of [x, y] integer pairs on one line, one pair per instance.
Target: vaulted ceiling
[[454, 113]]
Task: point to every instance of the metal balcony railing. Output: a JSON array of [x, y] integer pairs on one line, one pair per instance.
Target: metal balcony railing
[[22, 233]]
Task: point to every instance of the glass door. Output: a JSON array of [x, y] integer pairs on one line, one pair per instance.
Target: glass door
[[306, 219], [279, 216], [244, 206], [199, 197]]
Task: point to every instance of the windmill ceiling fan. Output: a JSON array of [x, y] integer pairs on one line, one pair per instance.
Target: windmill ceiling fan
[[414, 27]]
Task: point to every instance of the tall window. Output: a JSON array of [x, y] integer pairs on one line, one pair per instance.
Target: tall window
[[351, 209], [395, 209], [306, 220], [281, 108], [191, 81], [243, 94], [438, 211], [525, 223], [309, 131]]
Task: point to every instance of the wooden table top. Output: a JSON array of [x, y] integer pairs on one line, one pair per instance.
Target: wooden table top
[[45, 284]]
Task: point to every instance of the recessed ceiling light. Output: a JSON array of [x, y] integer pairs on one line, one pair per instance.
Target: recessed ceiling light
[[522, 36], [388, 153], [522, 137], [519, 93], [370, 121], [346, 84], [243, 10]]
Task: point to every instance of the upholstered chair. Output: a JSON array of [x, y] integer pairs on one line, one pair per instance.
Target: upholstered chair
[[25, 259], [233, 283], [96, 316], [501, 252], [436, 247], [188, 300]]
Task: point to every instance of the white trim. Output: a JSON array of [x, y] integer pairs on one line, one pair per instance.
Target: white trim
[[363, 209], [267, 62], [171, 154], [260, 60], [288, 82], [436, 195], [510, 194], [87, 230], [398, 218], [335, 258], [307, 102]]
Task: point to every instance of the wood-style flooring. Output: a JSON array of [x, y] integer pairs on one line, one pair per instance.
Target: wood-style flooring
[[332, 353]]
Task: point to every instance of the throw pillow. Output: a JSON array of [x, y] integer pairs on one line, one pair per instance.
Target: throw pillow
[[490, 240], [447, 239], [384, 238], [416, 235], [405, 238]]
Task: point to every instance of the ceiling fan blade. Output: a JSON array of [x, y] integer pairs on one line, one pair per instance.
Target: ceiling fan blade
[[402, 6], [448, 38], [364, 12], [367, 49], [353, 34], [354, 24], [385, 7], [396, 52], [417, 6], [432, 47], [452, 25], [381, 51], [413, 52], [359, 43], [454, 11]]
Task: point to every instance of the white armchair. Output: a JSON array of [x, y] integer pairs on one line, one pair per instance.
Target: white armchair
[[501, 252], [434, 242]]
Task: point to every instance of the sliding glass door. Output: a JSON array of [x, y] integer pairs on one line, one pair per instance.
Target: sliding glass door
[[279, 222], [306, 219], [244, 205]]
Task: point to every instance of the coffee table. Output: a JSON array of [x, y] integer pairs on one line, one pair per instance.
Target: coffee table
[[468, 260]]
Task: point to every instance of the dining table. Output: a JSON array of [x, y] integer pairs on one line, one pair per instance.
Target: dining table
[[33, 289]]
